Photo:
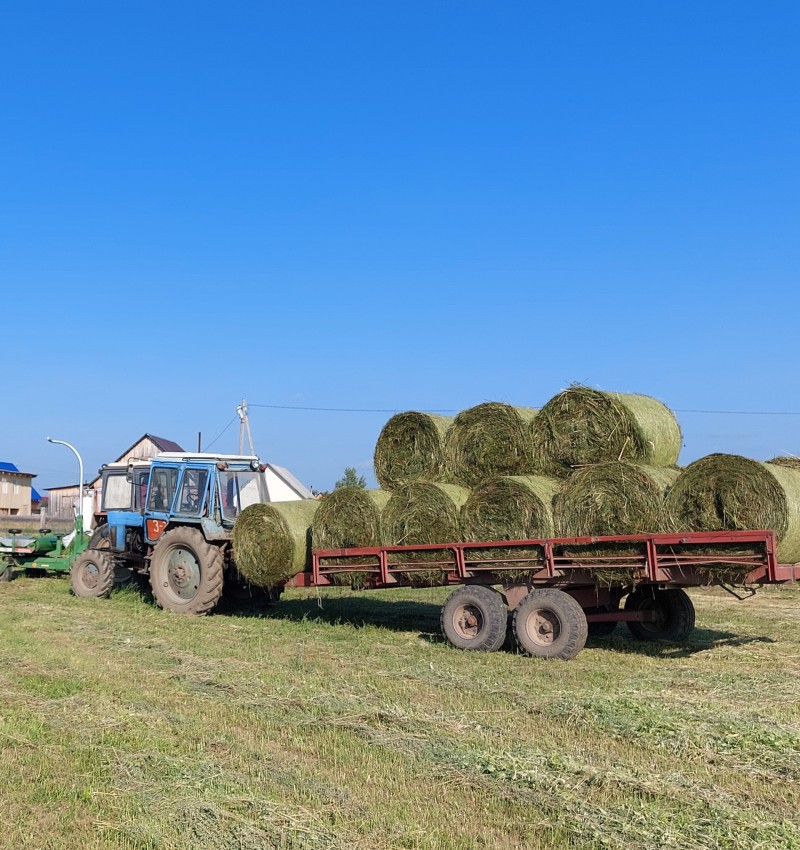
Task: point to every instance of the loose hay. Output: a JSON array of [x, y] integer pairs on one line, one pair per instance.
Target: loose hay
[[582, 426], [789, 461], [723, 492], [411, 447], [490, 439], [423, 513], [271, 543], [613, 498]]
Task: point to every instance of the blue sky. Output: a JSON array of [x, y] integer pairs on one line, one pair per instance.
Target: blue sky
[[386, 206]]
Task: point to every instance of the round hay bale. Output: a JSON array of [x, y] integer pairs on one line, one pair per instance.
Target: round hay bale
[[789, 461], [722, 492], [421, 513], [490, 439], [349, 517], [411, 447], [510, 507], [613, 498], [271, 542], [582, 426]]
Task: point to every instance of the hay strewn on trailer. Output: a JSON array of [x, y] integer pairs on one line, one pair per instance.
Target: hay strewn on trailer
[[422, 513], [271, 543], [729, 492], [582, 426], [411, 447], [490, 439], [613, 498]]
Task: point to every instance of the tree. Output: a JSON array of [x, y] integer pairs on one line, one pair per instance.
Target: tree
[[351, 479]]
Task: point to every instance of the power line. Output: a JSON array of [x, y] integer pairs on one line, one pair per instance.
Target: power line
[[208, 445], [395, 410]]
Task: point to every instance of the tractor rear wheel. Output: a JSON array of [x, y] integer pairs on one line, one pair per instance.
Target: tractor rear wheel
[[475, 617], [674, 614], [101, 538], [549, 623], [186, 572], [92, 574]]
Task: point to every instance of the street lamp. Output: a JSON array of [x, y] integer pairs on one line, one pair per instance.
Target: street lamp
[[80, 464]]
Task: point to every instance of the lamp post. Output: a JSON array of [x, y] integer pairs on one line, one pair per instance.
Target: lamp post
[[80, 464]]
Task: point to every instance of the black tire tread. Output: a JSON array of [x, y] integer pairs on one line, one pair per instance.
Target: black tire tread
[[211, 563], [105, 574], [680, 614], [493, 610], [574, 628]]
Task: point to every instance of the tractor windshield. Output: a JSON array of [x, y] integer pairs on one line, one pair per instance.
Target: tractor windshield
[[238, 489], [116, 492]]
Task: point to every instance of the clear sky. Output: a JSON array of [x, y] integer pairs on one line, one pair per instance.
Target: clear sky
[[384, 206]]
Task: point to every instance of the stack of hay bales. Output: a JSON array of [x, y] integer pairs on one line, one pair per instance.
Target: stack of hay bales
[[588, 463]]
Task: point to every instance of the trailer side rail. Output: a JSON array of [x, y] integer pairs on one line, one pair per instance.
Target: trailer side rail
[[683, 559]]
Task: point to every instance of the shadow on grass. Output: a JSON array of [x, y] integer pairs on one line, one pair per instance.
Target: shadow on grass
[[701, 640], [397, 615]]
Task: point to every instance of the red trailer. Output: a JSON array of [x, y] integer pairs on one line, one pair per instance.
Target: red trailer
[[554, 592]]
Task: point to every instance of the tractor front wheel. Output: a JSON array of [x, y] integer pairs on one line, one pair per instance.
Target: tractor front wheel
[[186, 572], [92, 574]]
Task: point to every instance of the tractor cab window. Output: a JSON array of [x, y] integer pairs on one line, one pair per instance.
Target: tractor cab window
[[238, 489], [140, 488], [163, 482], [193, 488], [116, 492]]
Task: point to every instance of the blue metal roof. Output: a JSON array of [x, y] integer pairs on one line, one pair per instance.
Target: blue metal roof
[[7, 467], [35, 497]]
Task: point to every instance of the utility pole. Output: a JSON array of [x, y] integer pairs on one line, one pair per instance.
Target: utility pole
[[244, 426]]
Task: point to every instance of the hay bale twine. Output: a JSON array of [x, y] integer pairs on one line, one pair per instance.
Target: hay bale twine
[[411, 447], [613, 498], [722, 492], [582, 426], [510, 507], [271, 542], [490, 439]]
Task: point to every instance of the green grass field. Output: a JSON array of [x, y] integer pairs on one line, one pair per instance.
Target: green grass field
[[344, 721]]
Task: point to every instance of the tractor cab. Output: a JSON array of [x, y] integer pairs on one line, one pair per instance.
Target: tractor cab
[[201, 489]]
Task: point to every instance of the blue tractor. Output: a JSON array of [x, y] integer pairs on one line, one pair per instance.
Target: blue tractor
[[175, 529]]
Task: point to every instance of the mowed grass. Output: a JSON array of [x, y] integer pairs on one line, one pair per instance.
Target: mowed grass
[[344, 721]]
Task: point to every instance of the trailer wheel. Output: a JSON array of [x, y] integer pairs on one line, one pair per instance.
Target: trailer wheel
[[549, 623], [92, 574], [186, 572], [673, 609], [475, 617]]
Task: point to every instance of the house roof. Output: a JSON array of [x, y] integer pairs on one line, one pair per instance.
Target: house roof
[[161, 444], [289, 479], [35, 497], [5, 466]]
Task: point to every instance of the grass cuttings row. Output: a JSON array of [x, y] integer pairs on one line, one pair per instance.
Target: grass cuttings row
[[722, 492], [271, 543], [582, 426], [411, 447], [613, 498], [490, 439], [423, 513], [349, 517]]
